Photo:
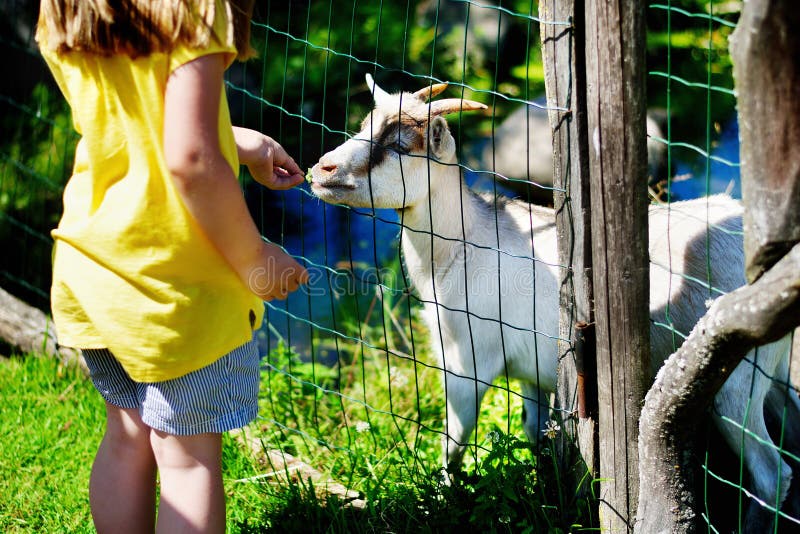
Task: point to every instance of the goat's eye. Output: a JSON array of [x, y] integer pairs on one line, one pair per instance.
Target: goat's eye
[[397, 147]]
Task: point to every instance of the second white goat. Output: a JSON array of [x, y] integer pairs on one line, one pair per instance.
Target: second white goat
[[487, 272]]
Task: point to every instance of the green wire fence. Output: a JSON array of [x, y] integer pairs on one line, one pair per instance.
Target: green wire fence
[[351, 388]]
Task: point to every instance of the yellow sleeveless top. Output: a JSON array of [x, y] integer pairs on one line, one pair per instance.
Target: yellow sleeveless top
[[132, 270]]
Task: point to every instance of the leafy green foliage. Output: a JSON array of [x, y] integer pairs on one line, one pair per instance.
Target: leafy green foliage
[[40, 146], [503, 494], [689, 42], [373, 423], [37, 147], [308, 82]]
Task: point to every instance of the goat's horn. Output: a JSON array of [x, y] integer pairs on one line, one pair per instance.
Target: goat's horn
[[426, 93], [454, 105], [378, 94]]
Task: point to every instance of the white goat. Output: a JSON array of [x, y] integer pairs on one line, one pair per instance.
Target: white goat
[[487, 271]]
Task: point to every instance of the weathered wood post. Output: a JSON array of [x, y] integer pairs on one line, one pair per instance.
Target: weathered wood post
[[616, 106], [562, 34]]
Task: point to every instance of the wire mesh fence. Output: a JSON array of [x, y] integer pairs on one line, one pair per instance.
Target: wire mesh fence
[[355, 379], [352, 384]]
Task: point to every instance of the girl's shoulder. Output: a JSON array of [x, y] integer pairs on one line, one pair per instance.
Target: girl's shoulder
[[221, 40]]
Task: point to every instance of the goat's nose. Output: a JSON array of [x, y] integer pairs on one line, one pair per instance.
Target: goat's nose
[[328, 168]]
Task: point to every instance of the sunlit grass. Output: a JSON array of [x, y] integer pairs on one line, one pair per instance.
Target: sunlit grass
[[51, 422], [372, 423]]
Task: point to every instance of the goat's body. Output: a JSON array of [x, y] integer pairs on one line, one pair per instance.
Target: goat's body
[[481, 283], [475, 276], [695, 255], [487, 271]]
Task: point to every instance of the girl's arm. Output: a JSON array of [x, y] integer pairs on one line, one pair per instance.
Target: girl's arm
[[208, 186]]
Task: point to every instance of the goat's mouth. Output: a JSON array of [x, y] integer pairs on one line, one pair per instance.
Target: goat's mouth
[[332, 186], [333, 191]]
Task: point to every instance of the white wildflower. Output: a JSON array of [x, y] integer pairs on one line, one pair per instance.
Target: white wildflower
[[397, 378], [362, 426], [551, 429]]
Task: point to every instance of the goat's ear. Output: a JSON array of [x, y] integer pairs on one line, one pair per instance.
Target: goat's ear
[[378, 94], [440, 140]]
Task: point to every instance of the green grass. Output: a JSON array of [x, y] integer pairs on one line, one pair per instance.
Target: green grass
[[342, 421], [373, 423], [51, 421]]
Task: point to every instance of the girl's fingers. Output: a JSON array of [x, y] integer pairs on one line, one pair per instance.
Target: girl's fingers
[[285, 179]]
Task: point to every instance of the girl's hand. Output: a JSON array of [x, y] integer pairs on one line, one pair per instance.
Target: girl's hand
[[268, 162], [277, 275]]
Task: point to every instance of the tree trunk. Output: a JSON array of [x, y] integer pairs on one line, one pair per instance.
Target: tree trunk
[[765, 48], [27, 330], [676, 405]]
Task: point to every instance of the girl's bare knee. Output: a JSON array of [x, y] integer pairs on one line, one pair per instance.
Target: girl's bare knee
[[186, 452], [126, 432]]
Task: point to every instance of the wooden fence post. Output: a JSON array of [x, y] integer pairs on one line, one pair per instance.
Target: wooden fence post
[[562, 34], [616, 108]]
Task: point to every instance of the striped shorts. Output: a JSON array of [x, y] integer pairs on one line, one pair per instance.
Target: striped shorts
[[216, 398]]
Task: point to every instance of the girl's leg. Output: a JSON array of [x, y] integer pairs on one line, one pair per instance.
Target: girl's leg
[[192, 494], [122, 484]]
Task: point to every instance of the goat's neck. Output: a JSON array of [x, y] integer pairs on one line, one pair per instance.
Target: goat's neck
[[434, 230]]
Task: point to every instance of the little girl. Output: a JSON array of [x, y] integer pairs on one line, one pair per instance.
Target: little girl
[[159, 271]]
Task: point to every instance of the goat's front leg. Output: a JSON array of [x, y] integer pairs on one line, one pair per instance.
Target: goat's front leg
[[741, 401], [782, 414], [464, 395], [535, 412]]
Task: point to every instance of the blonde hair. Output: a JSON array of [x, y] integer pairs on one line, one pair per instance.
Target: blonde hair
[[139, 27]]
